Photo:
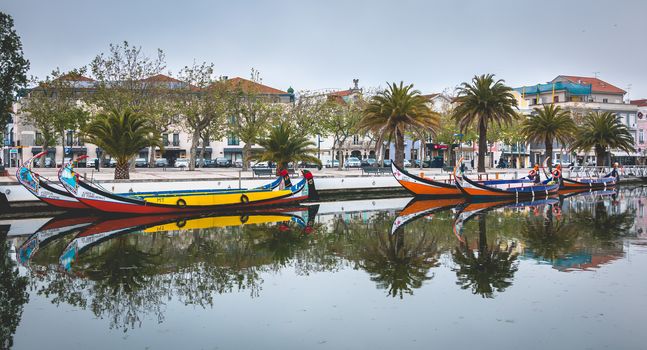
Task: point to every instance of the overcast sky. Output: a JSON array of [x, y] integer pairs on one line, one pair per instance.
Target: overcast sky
[[325, 44]]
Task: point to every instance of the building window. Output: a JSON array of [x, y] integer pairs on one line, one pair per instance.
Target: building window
[[176, 140], [556, 99], [232, 140], [165, 139], [605, 100], [356, 140], [68, 138], [39, 138], [641, 136], [534, 101]]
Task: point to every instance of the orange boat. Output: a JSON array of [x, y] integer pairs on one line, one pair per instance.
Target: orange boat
[[419, 186]]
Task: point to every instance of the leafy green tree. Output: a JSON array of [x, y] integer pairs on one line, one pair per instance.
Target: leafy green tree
[[284, 145], [201, 104], [548, 124], [122, 134], [14, 67], [603, 132], [52, 108], [339, 120], [252, 113], [395, 111], [127, 78], [481, 103]]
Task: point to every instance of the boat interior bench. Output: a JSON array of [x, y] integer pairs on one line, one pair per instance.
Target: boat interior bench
[[270, 171], [375, 170]]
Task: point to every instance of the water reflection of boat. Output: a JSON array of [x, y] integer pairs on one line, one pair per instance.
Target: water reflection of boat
[[418, 208], [163, 202], [44, 189], [469, 210], [303, 216], [55, 228]]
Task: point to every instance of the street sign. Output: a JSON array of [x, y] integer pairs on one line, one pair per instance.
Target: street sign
[[68, 150]]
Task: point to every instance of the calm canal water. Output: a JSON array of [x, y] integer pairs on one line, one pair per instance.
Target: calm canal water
[[566, 273]]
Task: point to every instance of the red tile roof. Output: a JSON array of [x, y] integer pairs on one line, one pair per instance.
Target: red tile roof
[[73, 77], [341, 93], [161, 78], [597, 85], [639, 103], [251, 86]]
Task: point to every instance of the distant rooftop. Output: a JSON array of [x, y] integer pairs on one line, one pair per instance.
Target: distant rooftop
[[597, 85]]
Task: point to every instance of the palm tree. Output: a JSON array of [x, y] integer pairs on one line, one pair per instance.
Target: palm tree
[[395, 111], [482, 102], [549, 124], [122, 134], [284, 145], [603, 131]]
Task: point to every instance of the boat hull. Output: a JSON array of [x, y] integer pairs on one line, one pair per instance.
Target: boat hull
[[478, 191], [593, 184], [105, 201], [419, 186]]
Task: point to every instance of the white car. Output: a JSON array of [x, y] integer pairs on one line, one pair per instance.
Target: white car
[[407, 163], [261, 165], [332, 163], [352, 162], [182, 163]]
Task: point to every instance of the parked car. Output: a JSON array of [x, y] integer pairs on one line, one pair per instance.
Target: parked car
[[205, 163], [437, 162], [352, 162], [161, 163], [112, 163], [141, 163], [332, 163], [261, 165], [238, 163], [387, 162], [369, 162], [425, 163], [222, 162], [407, 163], [503, 164], [181, 163], [309, 165]]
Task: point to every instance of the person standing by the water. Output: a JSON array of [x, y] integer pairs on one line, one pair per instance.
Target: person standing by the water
[[614, 172], [533, 175]]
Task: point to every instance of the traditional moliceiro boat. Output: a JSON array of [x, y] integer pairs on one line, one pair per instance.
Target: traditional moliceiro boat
[[419, 186], [93, 195], [44, 189], [512, 189]]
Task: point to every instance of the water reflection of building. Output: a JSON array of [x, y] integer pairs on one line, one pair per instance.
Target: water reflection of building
[[579, 260]]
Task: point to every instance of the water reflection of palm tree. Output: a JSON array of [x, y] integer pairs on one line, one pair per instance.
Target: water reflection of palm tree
[[13, 295], [490, 269], [549, 238], [397, 262], [604, 225]]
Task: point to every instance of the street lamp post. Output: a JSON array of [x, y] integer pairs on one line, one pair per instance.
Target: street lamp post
[[460, 141]]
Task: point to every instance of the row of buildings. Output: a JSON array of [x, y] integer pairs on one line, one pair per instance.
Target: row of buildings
[[579, 95]]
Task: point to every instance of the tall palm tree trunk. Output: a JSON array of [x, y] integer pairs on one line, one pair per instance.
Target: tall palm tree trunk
[[599, 155], [399, 149], [549, 152], [122, 171], [482, 146]]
